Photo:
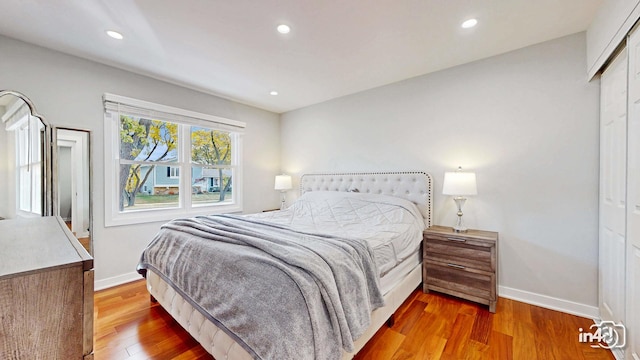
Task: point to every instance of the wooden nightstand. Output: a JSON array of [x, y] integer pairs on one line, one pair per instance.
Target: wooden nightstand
[[461, 264]]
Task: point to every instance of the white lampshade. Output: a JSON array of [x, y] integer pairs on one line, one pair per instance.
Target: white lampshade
[[459, 183], [283, 182]]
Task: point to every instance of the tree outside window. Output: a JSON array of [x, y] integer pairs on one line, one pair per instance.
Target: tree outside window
[[143, 144], [211, 153]]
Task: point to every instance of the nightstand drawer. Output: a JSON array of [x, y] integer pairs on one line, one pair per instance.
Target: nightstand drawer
[[454, 277], [455, 238], [476, 257]]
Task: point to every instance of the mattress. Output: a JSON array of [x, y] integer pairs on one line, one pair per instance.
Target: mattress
[[395, 275], [390, 225]]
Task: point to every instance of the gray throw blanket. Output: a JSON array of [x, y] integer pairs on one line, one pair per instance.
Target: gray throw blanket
[[280, 293]]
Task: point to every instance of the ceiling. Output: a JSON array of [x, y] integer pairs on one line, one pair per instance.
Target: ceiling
[[231, 48]]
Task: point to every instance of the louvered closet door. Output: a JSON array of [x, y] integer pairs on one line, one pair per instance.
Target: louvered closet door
[[633, 201], [613, 124]]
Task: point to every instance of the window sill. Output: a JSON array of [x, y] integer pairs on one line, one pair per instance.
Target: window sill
[[164, 215]]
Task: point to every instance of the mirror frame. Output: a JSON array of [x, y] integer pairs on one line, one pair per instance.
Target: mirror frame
[[47, 183]]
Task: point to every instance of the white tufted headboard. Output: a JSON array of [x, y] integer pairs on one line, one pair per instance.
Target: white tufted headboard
[[415, 186]]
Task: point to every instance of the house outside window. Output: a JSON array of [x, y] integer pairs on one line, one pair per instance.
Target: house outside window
[[163, 162]]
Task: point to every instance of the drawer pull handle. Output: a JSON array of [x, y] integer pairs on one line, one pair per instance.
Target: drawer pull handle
[[456, 239], [456, 266]]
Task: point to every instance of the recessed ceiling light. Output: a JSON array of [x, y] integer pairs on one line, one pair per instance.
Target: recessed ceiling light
[[283, 29], [274, 93], [469, 23], [115, 34]]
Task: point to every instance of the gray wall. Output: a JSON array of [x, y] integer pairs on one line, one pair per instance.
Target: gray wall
[[526, 122], [68, 91]]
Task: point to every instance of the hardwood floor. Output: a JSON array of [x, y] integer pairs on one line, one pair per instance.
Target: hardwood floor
[[427, 326]]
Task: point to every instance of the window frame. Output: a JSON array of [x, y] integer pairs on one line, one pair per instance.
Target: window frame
[[116, 105]]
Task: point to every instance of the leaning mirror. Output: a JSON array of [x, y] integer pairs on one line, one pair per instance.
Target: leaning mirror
[[25, 163], [72, 164]]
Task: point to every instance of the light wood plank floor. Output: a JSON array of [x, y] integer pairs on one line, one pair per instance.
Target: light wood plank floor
[[427, 326]]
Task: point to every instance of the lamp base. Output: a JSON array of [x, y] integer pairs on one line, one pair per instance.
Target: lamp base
[[282, 200], [463, 230], [459, 226]]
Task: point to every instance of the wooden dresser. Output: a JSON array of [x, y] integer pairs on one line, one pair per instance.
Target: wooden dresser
[[46, 291], [461, 264]]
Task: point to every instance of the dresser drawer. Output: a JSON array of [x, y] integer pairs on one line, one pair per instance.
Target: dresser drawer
[[460, 280], [477, 257]]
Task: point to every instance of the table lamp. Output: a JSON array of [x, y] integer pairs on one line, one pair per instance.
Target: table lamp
[[459, 184], [283, 183]]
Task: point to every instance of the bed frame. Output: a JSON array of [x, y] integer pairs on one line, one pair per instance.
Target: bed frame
[[414, 186]]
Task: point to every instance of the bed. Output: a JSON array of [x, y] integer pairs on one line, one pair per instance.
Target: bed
[[395, 206]]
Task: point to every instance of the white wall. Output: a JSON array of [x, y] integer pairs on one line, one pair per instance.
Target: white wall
[[68, 91], [526, 122]]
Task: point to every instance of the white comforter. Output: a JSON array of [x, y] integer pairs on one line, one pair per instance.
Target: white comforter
[[392, 226]]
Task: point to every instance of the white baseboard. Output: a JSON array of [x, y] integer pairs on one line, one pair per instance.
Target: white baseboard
[[116, 280], [566, 306], [617, 352]]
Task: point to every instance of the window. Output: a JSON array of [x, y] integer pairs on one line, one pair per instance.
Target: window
[[211, 154], [163, 162], [28, 134], [29, 165], [144, 146]]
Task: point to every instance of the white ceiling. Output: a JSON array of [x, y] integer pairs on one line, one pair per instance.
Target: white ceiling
[[230, 48]]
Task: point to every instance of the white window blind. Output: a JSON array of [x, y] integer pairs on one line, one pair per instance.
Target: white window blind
[[117, 103]]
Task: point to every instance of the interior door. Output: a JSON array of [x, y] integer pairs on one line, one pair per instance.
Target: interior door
[[613, 151], [633, 201]]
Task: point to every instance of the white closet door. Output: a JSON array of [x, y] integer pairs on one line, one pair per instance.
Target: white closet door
[[613, 159], [633, 201]]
